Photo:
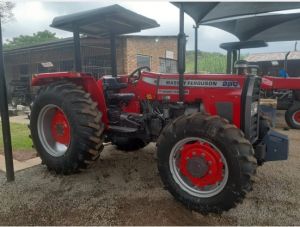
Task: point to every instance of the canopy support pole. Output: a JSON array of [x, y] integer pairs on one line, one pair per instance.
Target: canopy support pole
[[181, 42], [196, 48], [228, 65], [77, 51], [113, 55], [10, 175], [234, 58]]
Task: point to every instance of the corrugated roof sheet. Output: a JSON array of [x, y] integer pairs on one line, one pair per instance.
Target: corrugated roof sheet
[[275, 56]]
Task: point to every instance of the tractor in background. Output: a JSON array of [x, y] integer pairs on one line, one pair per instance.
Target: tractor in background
[[208, 130], [286, 91]]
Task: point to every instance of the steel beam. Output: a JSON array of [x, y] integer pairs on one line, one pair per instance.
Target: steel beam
[[77, 51], [181, 53], [196, 48], [113, 55], [5, 118], [228, 65]]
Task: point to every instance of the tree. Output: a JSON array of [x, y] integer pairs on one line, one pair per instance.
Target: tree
[[6, 10], [26, 40]]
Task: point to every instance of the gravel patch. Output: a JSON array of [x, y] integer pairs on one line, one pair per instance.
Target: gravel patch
[[125, 189]]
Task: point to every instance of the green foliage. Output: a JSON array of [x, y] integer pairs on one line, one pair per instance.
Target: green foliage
[[207, 62], [27, 40], [19, 136], [6, 10]]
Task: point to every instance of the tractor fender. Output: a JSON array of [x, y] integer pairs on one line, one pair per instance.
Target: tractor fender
[[90, 85]]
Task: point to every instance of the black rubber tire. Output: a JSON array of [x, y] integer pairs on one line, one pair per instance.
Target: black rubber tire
[[289, 115], [237, 151], [265, 124], [85, 122], [129, 144], [297, 95]]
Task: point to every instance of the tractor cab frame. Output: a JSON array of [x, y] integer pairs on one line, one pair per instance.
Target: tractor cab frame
[[207, 128]]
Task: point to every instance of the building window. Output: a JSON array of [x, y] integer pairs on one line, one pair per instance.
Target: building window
[[167, 65], [143, 60]]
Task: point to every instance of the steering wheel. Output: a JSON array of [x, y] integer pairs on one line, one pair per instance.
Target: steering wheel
[[136, 74]]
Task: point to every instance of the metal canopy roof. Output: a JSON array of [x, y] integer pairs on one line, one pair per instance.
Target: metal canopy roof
[[243, 45], [286, 31], [274, 27], [207, 11], [104, 21]]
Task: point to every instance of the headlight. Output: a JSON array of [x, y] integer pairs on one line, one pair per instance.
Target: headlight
[[254, 108]]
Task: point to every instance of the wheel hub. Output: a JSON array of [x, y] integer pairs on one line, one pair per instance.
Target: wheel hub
[[201, 164], [297, 117], [60, 128], [197, 166]]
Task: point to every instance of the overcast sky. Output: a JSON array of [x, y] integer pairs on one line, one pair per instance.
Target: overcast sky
[[33, 16]]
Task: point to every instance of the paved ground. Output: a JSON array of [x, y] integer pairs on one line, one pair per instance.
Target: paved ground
[[125, 189], [22, 119]]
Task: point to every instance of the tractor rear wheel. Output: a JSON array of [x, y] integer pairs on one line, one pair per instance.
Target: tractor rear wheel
[[66, 127], [205, 162], [129, 144], [292, 116]]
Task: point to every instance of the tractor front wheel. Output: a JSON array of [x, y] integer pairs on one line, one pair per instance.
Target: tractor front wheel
[[292, 116], [205, 162], [66, 127]]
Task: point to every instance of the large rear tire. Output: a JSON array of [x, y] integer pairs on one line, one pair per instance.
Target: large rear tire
[[205, 162], [66, 127], [292, 116]]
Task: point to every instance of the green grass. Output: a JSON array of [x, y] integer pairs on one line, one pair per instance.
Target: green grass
[[207, 62], [19, 137]]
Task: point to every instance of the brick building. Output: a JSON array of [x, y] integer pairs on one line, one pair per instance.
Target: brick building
[[157, 52]]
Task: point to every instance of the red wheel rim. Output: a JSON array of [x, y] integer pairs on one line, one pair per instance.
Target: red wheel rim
[[206, 159], [296, 117], [60, 128], [198, 167]]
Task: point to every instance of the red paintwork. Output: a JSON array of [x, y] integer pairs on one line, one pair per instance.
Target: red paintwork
[[60, 128], [214, 173], [208, 95], [143, 90], [277, 83], [297, 117], [95, 88]]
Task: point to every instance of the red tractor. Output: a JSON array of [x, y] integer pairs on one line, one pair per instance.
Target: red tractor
[[285, 90], [207, 128]]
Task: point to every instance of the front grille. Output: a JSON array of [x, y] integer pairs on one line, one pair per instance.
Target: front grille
[[255, 118], [251, 94]]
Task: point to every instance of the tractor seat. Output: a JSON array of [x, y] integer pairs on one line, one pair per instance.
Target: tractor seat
[[111, 83], [126, 97]]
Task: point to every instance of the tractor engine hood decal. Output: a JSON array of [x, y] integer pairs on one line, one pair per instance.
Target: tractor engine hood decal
[[194, 83]]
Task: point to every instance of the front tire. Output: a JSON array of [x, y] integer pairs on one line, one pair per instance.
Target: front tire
[[292, 116], [66, 127], [205, 162]]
